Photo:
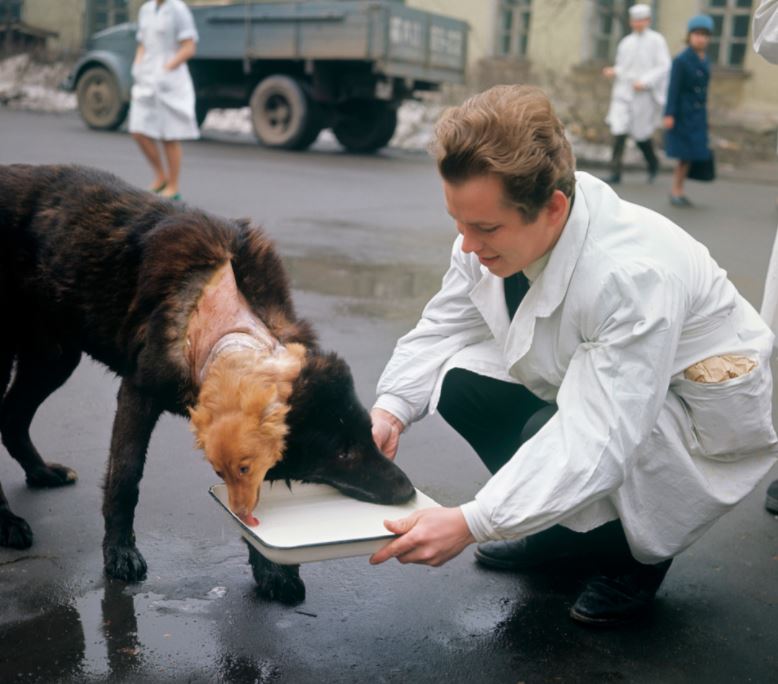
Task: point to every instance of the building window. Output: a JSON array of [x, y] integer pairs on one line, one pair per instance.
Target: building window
[[611, 24], [731, 21], [106, 13], [513, 28], [10, 11]]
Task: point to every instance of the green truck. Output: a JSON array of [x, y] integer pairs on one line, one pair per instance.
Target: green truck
[[301, 67]]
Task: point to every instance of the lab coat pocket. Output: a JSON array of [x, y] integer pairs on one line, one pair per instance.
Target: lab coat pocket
[[729, 419]]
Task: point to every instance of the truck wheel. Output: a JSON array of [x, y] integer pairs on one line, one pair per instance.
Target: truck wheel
[[99, 101], [366, 126], [283, 115]]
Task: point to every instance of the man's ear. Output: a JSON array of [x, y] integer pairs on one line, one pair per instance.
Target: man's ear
[[557, 207]]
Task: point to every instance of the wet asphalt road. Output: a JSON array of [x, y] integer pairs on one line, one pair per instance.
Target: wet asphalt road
[[365, 241]]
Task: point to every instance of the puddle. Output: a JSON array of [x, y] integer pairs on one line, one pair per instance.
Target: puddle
[[386, 291]]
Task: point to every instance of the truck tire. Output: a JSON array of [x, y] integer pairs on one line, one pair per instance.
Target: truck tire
[[283, 114], [366, 126], [99, 100]]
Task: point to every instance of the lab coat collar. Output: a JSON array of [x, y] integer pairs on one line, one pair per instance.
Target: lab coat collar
[[545, 294]]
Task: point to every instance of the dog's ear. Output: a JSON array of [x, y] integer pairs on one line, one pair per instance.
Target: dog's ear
[[201, 418]]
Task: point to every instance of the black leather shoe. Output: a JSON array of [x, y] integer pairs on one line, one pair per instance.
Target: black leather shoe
[[613, 599], [530, 552], [771, 501]]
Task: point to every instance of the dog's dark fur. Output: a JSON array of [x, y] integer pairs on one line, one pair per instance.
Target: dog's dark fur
[[89, 264]]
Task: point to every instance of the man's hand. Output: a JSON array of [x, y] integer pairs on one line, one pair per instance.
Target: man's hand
[[430, 536], [668, 122], [386, 432], [639, 86], [608, 72]]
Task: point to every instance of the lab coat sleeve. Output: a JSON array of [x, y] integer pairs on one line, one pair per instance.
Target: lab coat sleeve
[[621, 55], [609, 402], [674, 89], [140, 35], [185, 25], [765, 30], [449, 323], [656, 76]]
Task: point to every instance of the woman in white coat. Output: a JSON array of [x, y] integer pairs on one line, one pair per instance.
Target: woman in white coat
[[594, 355], [162, 108]]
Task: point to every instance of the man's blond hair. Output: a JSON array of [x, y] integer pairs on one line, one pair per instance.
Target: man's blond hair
[[513, 133]]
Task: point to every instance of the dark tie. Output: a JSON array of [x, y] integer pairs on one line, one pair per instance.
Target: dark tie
[[516, 287]]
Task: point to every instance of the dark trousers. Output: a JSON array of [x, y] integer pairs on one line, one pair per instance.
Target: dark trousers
[[645, 146], [496, 418]]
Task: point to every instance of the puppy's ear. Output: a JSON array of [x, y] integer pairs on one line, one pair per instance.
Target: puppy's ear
[[201, 418]]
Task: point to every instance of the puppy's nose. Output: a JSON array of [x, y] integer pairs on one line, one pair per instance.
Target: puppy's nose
[[248, 519]]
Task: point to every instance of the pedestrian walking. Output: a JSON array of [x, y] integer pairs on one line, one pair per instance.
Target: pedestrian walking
[[765, 32], [639, 89], [162, 107], [594, 355], [686, 111]]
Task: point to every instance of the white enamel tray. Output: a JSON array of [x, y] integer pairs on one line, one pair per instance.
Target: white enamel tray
[[313, 522]]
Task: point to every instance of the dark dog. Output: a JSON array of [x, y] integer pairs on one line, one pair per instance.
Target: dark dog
[[194, 314]]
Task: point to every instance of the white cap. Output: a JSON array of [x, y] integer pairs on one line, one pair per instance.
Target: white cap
[[640, 11]]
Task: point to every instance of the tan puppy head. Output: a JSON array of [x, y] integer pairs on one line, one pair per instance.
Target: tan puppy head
[[240, 424]]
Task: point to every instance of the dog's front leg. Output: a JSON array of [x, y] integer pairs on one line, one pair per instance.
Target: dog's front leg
[[276, 582], [136, 415]]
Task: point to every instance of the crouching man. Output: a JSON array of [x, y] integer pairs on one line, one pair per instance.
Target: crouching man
[[592, 353]]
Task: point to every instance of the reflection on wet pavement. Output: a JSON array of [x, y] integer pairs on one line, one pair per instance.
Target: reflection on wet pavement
[[385, 291]]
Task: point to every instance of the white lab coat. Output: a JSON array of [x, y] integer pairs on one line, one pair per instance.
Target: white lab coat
[[163, 102], [626, 302], [765, 32], [642, 57]]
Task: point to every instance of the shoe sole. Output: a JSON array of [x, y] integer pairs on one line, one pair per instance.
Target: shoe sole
[[604, 622], [489, 562]]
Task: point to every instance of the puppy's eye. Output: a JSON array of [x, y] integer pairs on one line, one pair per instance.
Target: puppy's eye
[[219, 474], [344, 456], [244, 470]]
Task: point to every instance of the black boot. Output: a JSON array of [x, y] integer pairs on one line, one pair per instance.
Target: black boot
[[619, 595], [619, 142], [771, 500], [534, 551], [552, 545], [647, 148]]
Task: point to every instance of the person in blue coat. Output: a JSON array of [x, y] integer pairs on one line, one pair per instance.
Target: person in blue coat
[[686, 117]]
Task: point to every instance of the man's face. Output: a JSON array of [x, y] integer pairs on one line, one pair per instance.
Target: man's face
[[639, 25], [494, 230]]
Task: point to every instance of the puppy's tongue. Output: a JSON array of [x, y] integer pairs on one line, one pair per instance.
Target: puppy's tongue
[[250, 520]]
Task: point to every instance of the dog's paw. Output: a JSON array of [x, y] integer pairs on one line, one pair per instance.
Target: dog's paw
[[52, 475], [15, 533], [276, 582], [124, 563]]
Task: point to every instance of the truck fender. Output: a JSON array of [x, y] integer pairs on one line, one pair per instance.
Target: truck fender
[[116, 64]]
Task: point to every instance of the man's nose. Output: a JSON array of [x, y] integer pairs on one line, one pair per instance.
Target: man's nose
[[470, 243]]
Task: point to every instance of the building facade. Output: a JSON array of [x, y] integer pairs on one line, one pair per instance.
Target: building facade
[[559, 44]]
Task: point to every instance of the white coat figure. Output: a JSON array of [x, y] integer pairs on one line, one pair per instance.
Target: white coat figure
[[625, 304], [640, 76], [765, 32], [640, 58], [162, 106]]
